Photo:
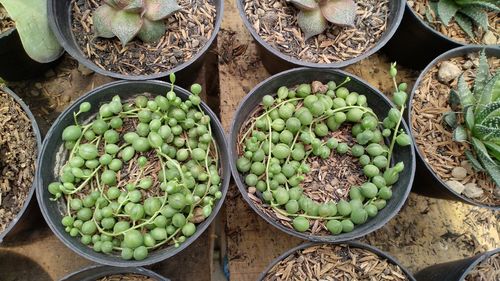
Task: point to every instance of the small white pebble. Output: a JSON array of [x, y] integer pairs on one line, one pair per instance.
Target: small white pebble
[[472, 191], [459, 173], [456, 186]]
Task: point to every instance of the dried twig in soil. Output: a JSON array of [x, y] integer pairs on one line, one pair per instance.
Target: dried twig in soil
[[334, 262], [276, 22], [486, 270], [126, 277]]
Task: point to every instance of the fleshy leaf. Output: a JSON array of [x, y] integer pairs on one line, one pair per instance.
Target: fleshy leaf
[[340, 12], [464, 93], [450, 118], [486, 132], [491, 109], [480, 3], [486, 96], [134, 6], [469, 117], [473, 161], [446, 10], [465, 24], [112, 3], [477, 14], [482, 74], [491, 167], [459, 134], [493, 149], [454, 100], [32, 25], [311, 22], [304, 4], [102, 19], [152, 31], [160, 9], [495, 92], [126, 25]]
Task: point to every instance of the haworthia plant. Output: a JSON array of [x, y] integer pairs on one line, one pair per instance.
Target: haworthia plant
[[127, 19], [30, 17], [481, 114], [314, 15]]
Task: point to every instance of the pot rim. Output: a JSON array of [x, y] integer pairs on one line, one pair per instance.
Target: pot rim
[[124, 270]]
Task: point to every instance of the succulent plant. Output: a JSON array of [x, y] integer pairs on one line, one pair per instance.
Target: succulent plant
[[467, 13], [126, 19], [314, 15], [480, 108], [30, 17]]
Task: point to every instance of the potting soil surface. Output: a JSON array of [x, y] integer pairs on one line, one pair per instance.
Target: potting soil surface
[[18, 150], [487, 270], [127, 277]]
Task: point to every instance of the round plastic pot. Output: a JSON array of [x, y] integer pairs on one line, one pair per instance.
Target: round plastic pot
[[29, 215], [351, 244], [59, 13], [52, 159], [15, 64], [454, 270], [275, 61], [376, 100], [93, 273], [427, 182], [415, 43]]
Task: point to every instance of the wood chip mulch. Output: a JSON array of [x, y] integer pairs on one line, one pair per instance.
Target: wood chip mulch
[[5, 21], [486, 271], [453, 30], [276, 22], [127, 277], [18, 150], [188, 30], [335, 262], [434, 138]]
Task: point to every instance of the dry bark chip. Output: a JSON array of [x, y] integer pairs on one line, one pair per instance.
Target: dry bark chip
[[127, 277], [18, 150], [486, 270]]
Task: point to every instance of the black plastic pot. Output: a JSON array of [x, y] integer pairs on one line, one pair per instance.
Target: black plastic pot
[[52, 158], [15, 64], [95, 272], [59, 13], [29, 214], [274, 61], [376, 100], [351, 244], [427, 183], [454, 270], [415, 43]]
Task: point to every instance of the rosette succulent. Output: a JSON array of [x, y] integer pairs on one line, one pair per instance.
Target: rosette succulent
[[480, 108], [127, 19], [314, 15]]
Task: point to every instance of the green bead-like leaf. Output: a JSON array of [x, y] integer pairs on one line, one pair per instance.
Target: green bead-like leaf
[[459, 134], [311, 22], [304, 4], [491, 109], [102, 19], [339, 12], [126, 25], [160, 9], [32, 25], [152, 31], [473, 161], [465, 23], [446, 10]]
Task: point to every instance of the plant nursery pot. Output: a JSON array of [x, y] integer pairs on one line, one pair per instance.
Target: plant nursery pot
[[454, 270], [351, 244], [15, 64], [95, 272], [59, 13], [53, 146], [376, 100], [29, 215], [427, 181], [275, 61], [415, 43]]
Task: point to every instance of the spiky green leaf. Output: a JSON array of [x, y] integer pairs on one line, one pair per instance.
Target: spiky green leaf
[[486, 132], [446, 10], [429, 16], [450, 118], [454, 100], [493, 149], [311, 22], [339, 12], [495, 92], [152, 31], [481, 3], [134, 6], [482, 75], [476, 14], [469, 117], [464, 93], [491, 167], [491, 109], [160, 9], [126, 25], [304, 4], [459, 134], [102, 20], [473, 161], [465, 24], [486, 95]]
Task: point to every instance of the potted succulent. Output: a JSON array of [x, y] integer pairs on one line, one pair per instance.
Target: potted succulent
[[133, 178], [321, 155], [431, 27], [20, 141], [109, 273], [137, 40], [331, 261], [319, 33], [452, 117], [26, 40], [482, 267]]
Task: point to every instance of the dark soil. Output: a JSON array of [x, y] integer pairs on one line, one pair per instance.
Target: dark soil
[[188, 30], [275, 22], [5, 21], [18, 150], [126, 277]]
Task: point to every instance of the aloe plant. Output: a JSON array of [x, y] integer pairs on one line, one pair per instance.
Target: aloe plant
[[127, 19], [30, 17], [467, 13], [480, 108], [314, 15]]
